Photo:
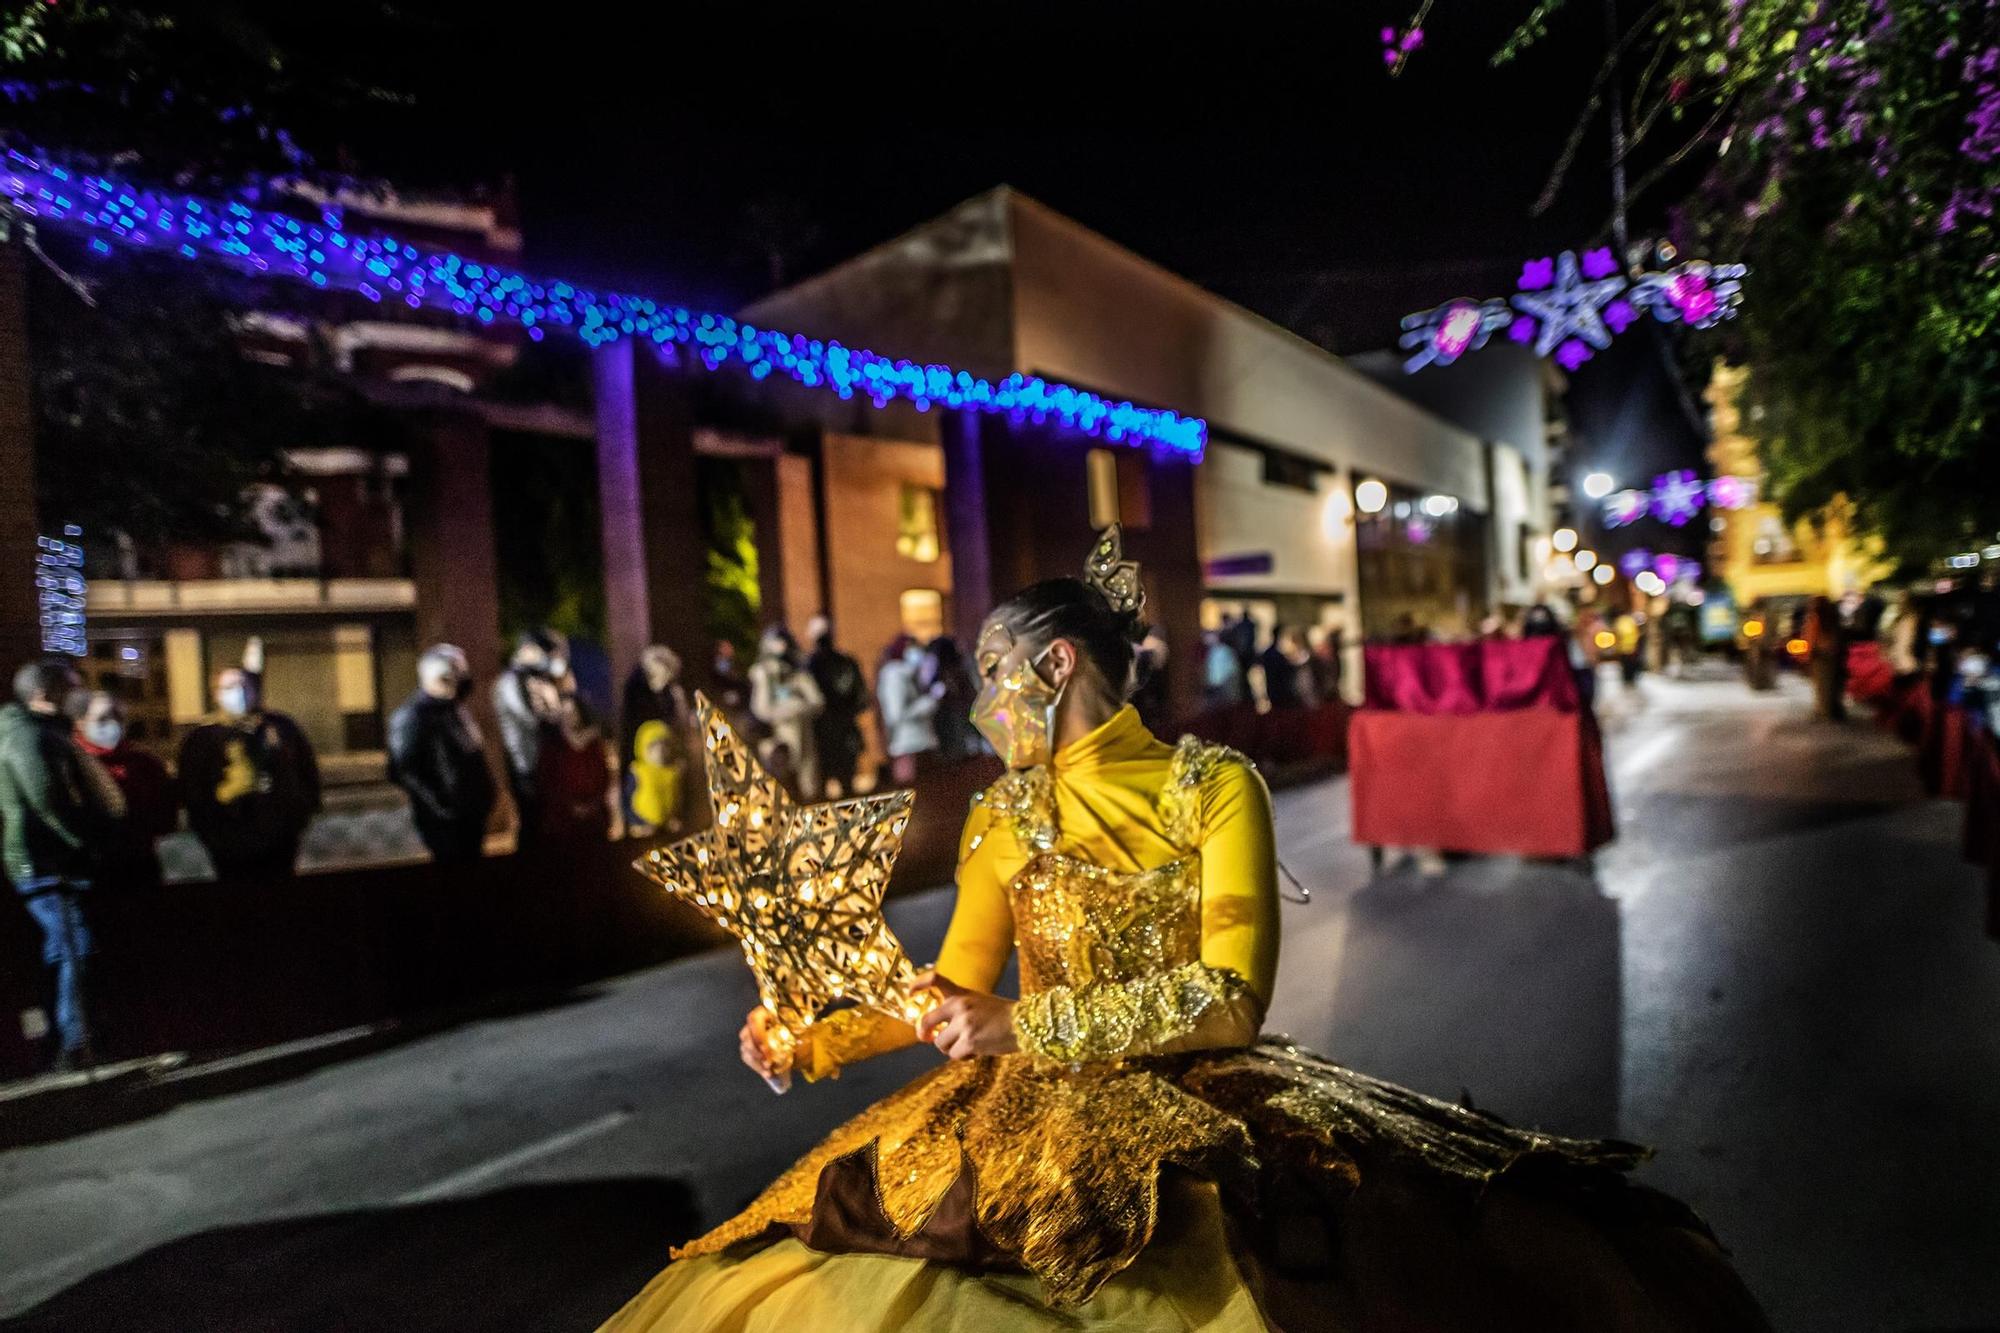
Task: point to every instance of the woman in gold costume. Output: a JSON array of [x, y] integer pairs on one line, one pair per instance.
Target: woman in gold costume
[[1120, 1148]]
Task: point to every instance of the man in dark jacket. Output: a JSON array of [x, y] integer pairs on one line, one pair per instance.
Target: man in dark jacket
[[251, 784], [47, 807], [436, 755], [837, 728]]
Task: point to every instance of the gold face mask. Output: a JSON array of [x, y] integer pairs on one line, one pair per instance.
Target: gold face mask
[[1016, 707]]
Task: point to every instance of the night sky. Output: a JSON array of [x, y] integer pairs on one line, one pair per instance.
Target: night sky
[[1261, 150]]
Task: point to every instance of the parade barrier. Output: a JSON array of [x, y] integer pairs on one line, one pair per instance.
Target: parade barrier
[[215, 967], [1479, 747]]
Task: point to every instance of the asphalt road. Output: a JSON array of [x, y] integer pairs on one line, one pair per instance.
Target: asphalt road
[[1777, 976]]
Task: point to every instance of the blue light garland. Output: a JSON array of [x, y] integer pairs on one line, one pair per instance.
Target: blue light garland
[[380, 267]]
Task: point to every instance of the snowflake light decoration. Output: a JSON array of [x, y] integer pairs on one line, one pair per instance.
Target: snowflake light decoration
[[1571, 306], [1677, 497]]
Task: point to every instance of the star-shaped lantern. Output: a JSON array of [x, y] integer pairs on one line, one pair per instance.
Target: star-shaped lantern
[[800, 887]]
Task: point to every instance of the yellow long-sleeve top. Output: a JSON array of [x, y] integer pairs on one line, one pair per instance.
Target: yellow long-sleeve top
[[1106, 797]]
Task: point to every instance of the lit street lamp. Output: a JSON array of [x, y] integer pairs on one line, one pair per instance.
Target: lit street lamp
[[1598, 485]]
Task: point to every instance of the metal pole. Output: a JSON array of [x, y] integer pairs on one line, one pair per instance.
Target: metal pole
[[1616, 102]]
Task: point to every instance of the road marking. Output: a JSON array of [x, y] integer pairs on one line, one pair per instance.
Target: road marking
[[1642, 758], [481, 1172]]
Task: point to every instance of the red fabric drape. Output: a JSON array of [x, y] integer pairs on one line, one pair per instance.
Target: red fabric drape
[[1870, 678], [1463, 678], [1528, 781]]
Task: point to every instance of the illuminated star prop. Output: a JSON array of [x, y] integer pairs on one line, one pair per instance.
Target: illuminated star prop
[[800, 887], [1571, 307]]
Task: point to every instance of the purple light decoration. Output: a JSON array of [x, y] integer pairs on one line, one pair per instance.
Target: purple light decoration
[[1599, 263], [1677, 497], [320, 250], [1635, 562], [1626, 508], [1418, 531], [1692, 297], [1732, 492], [1457, 330], [1668, 566], [1569, 299], [1572, 353]]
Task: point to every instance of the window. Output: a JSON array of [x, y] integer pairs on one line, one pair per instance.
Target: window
[[922, 611], [1118, 490], [1102, 465], [1772, 543], [916, 523], [1290, 470]]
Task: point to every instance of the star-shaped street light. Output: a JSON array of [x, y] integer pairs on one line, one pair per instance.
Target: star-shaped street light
[[1571, 307], [800, 887]]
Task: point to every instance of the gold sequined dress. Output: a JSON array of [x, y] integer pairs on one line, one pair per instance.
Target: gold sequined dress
[[1148, 1161]]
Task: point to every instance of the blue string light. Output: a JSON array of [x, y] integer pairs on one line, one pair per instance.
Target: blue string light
[[60, 591], [326, 254]]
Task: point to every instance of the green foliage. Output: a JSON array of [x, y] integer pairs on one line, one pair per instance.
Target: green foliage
[[1857, 173], [733, 595], [1871, 327], [547, 523], [149, 420], [215, 93]]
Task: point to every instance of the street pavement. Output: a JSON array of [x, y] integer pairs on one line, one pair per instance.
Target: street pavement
[[1777, 976]]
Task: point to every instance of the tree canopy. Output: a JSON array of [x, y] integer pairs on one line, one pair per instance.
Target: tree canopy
[[1855, 166]]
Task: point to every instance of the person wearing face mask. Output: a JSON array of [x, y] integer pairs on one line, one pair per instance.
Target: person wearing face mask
[[525, 699], [251, 784], [786, 699], [130, 858], [438, 757], [52, 830], [1119, 1147], [653, 693], [908, 708], [837, 730]]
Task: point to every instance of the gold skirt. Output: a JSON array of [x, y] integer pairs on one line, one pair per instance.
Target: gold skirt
[[1222, 1190], [1185, 1280]]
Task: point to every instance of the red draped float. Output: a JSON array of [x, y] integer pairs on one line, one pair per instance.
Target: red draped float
[[1477, 748]]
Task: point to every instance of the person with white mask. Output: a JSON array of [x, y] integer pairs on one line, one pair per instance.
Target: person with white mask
[[251, 783], [130, 859], [437, 755], [785, 698], [908, 707]]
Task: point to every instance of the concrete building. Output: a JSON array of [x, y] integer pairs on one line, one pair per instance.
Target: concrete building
[[1003, 284]]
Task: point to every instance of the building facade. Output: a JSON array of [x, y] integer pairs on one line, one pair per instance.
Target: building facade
[[1277, 522]]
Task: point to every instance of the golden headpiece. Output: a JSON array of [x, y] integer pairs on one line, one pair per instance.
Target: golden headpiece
[[1108, 571]]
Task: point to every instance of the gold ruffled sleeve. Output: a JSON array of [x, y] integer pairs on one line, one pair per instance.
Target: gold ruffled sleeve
[[1218, 1001], [975, 951]]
